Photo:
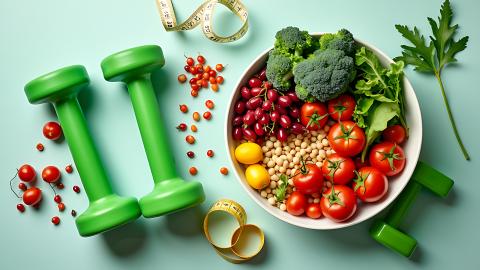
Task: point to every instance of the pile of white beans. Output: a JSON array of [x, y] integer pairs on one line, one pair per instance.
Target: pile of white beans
[[285, 158]]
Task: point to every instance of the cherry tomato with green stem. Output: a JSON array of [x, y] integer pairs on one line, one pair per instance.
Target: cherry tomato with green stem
[[338, 169], [395, 134], [346, 138], [308, 179], [342, 107], [370, 185], [313, 115], [387, 157], [338, 203]]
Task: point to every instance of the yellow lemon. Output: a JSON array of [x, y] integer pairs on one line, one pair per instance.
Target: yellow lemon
[[248, 153], [257, 176]]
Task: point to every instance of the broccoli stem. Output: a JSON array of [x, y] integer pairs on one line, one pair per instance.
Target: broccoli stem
[[452, 121]]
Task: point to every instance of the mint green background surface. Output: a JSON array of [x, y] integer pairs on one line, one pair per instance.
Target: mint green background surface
[[40, 36]]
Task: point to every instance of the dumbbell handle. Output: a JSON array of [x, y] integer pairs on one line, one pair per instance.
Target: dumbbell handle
[[401, 206], [152, 129], [84, 153]]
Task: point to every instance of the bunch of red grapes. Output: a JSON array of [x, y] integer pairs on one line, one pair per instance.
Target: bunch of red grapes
[[263, 111]]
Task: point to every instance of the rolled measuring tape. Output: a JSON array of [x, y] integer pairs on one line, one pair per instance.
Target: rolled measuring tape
[[238, 248], [203, 15]]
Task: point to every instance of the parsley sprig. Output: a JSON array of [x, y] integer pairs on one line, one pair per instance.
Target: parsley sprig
[[433, 56]]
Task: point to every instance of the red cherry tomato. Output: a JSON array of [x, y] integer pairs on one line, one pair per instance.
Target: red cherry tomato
[[338, 203], [395, 134], [313, 115], [338, 169], [370, 185], [341, 108], [26, 173], [309, 180], [50, 174], [314, 210], [32, 196], [296, 203], [346, 138], [52, 130], [388, 157]]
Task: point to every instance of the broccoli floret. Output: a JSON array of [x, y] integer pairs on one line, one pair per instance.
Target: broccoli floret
[[342, 40], [324, 76], [291, 40], [279, 70]]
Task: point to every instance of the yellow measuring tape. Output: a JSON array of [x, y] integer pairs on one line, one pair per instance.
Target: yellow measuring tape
[[203, 15], [236, 251]]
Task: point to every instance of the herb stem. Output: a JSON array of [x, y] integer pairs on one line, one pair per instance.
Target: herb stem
[[452, 121]]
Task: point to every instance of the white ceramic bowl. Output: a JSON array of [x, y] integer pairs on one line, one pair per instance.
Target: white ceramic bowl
[[364, 211]]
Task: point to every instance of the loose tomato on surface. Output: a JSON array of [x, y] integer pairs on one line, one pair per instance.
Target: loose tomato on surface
[[52, 130], [314, 210], [395, 134], [341, 108], [26, 173], [387, 157], [338, 203], [346, 138], [338, 169], [32, 196], [51, 174], [313, 115], [296, 203], [370, 185], [309, 180]]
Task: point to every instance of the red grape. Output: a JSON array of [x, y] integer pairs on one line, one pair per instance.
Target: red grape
[[255, 82], [249, 134], [259, 129], [254, 103], [293, 96], [245, 92], [258, 113], [285, 121], [264, 120], [256, 91], [282, 135], [275, 116], [237, 121], [284, 101], [272, 95], [280, 109], [249, 118], [263, 75], [267, 105], [294, 112], [240, 107], [297, 128], [237, 133]]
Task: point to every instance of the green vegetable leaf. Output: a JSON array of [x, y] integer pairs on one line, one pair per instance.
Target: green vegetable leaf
[[282, 189], [433, 57]]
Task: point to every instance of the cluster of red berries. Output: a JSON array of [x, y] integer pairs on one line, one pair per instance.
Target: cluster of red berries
[[203, 75]]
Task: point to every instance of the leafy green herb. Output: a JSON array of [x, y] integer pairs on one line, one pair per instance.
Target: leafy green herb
[[433, 57], [379, 95], [282, 188]]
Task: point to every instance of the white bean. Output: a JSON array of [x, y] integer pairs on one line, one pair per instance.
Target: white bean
[[271, 171], [283, 207]]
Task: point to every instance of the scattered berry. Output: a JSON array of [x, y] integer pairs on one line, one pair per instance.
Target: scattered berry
[[73, 213], [201, 59], [60, 185], [190, 154], [57, 199], [210, 153], [207, 115], [69, 168], [21, 208], [195, 87], [193, 128], [190, 139], [22, 186], [205, 83], [207, 68], [219, 67], [194, 93], [224, 170], [32, 196], [190, 62], [187, 68], [182, 127], [209, 103], [212, 73], [212, 80], [193, 171], [26, 173], [76, 189], [182, 78], [52, 130], [183, 108], [40, 147], [196, 116], [220, 79], [206, 75], [51, 174], [214, 87], [55, 220], [61, 207]]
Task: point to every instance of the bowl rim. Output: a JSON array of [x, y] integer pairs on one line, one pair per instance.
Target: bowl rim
[[350, 222]]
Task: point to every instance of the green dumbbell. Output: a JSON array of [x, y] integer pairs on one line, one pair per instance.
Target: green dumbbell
[[386, 232], [134, 68], [106, 210]]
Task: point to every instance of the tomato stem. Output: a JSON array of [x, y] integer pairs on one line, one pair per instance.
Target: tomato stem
[[11, 188]]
